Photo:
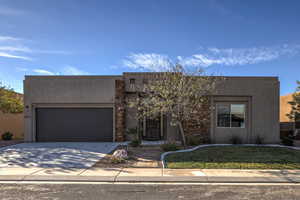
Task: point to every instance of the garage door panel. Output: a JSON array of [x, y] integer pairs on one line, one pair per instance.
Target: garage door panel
[[74, 124]]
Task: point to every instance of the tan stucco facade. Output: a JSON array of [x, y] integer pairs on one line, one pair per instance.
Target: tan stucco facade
[[259, 94], [13, 123], [65, 91], [285, 107], [261, 97]]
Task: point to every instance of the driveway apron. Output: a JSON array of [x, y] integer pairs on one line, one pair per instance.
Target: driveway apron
[[79, 155]]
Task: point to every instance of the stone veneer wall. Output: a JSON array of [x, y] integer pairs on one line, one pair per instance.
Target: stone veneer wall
[[120, 111], [199, 126]]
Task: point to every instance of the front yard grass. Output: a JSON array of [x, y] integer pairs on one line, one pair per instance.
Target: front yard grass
[[236, 157]]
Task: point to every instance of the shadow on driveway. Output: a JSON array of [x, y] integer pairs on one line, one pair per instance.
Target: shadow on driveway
[[55, 155]]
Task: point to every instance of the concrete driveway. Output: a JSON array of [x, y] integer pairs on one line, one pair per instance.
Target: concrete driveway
[[54, 155]]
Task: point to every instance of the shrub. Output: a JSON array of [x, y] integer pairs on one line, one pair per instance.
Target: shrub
[[287, 141], [135, 143], [194, 140], [116, 160], [259, 140], [297, 137], [7, 136], [132, 133], [235, 139], [169, 147]]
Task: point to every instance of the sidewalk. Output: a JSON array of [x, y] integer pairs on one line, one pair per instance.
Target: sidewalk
[[150, 175]]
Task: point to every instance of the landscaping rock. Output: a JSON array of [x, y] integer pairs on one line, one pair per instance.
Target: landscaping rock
[[121, 154]]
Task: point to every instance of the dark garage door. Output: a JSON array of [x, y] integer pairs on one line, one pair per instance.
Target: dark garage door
[[74, 124]]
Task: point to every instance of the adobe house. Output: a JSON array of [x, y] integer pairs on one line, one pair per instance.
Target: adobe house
[[94, 108], [286, 124]]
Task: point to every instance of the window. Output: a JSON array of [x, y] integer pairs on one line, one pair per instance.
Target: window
[[231, 115], [223, 115], [131, 83]]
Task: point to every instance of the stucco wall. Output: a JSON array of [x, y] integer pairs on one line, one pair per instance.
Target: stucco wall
[[285, 108], [264, 106], [263, 93], [63, 91], [13, 123], [261, 96]]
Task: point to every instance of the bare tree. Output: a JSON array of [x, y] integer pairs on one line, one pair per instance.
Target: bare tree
[[179, 93]]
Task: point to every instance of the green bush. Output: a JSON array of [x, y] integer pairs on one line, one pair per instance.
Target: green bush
[[135, 143], [235, 139], [7, 136], [297, 137], [132, 134], [194, 140], [131, 131], [287, 141], [169, 147]]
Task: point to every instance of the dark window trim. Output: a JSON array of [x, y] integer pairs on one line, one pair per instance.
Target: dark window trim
[[230, 104]]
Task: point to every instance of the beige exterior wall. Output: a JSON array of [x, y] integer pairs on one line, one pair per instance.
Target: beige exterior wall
[[65, 91], [285, 108], [13, 123], [261, 94]]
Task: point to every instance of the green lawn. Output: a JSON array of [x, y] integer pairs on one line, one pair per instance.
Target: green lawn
[[236, 157]]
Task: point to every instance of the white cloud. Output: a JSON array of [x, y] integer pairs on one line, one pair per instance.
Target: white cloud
[[7, 11], [9, 38], [8, 55], [10, 45], [16, 49], [212, 56], [152, 62], [70, 70], [43, 72], [240, 56]]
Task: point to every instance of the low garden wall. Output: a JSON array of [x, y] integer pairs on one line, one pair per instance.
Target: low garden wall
[[13, 123]]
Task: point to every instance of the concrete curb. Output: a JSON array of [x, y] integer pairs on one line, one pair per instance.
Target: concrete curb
[[163, 162], [154, 179]]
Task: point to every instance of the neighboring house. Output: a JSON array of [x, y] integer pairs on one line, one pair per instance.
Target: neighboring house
[[286, 124], [94, 108]]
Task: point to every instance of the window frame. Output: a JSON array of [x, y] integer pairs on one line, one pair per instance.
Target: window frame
[[229, 104]]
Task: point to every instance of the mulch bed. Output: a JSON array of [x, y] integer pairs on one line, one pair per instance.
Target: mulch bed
[[4, 143], [139, 157]]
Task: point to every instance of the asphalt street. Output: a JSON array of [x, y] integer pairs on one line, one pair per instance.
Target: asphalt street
[[90, 191]]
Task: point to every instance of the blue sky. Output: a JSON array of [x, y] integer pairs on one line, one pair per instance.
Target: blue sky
[[76, 37]]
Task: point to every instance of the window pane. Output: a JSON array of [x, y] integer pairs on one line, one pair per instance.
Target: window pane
[[223, 114], [238, 115]]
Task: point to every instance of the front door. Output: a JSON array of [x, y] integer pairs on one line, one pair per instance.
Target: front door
[[153, 129]]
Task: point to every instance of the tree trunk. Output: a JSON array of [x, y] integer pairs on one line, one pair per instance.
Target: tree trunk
[[182, 134]]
